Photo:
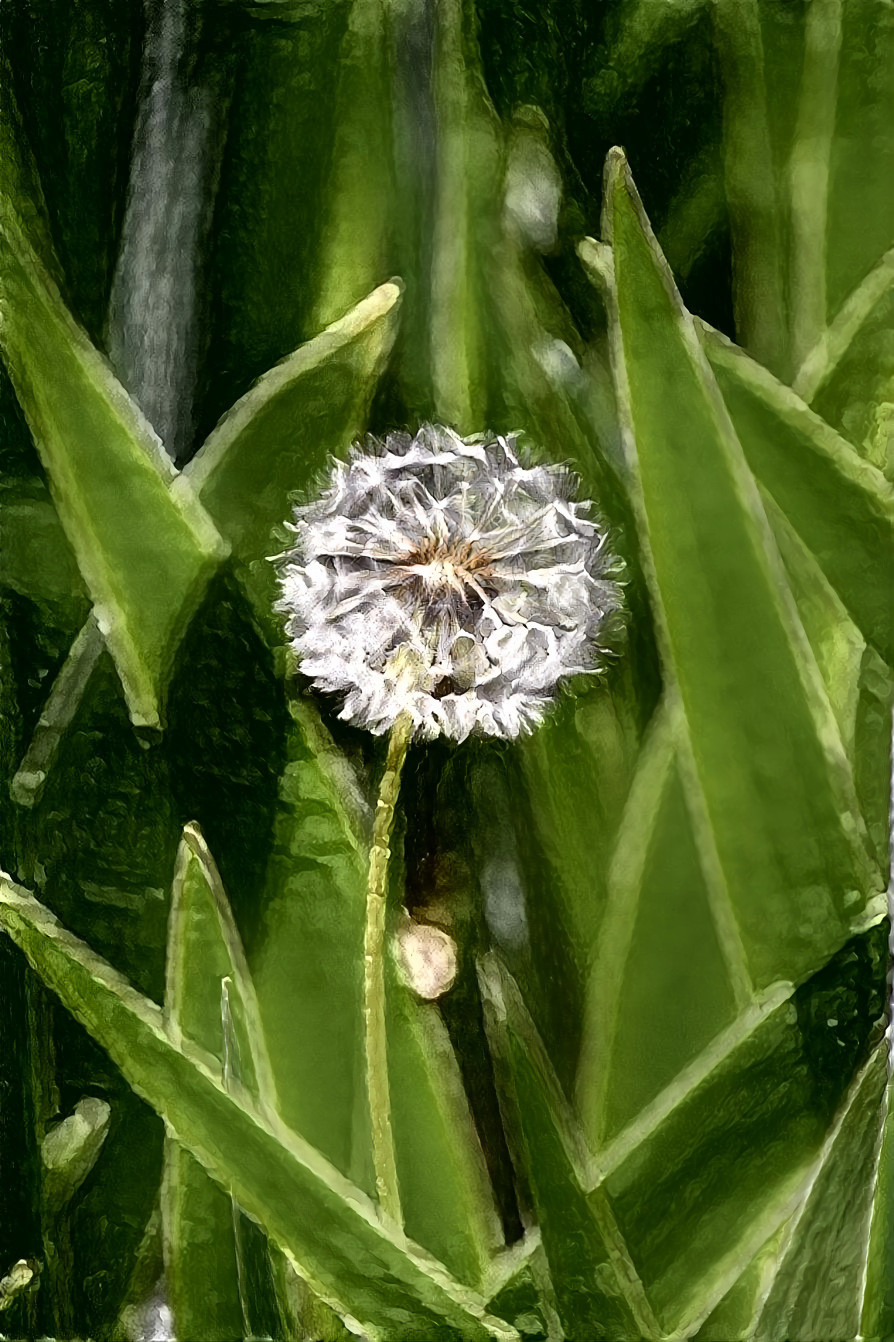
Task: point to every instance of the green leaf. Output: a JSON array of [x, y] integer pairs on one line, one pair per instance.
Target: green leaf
[[849, 375], [818, 1285], [69, 1150], [327, 1224], [269, 224], [597, 1288], [19, 179], [453, 1216], [280, 434], [307, 971], [246, 473], [662, 984], [145, 556], [578, 769], [306, 964], [674, 1209], [783, 826], [642, 34], [840, 506], [751, 186], [466, 162], [837, 645], [877, 1319], [696, 213], [872, 750], [360, 190], [808, 178], [58, 713], [860, 227], [731, 1320], [521, 1291], [36, 559], [210, 1000]]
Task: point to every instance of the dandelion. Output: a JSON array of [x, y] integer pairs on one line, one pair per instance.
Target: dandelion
[[442, 579], [440, 586]]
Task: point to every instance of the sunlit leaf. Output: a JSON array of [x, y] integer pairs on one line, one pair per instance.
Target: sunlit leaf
[[784, 823], [146, 557], [280, 434], [308, 973], [326, 1223], [209, 999], [818, 1285], [877, 1317], [70, 1149], [679, 1204], [842, 508], [264, 451]]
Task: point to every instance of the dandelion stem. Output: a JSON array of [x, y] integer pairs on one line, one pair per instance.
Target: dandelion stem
[[374, 973]]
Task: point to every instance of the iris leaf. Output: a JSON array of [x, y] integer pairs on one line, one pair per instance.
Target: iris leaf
[[209, 1247], [307, 969], [326, 1223], [782, 828], [146, 557]]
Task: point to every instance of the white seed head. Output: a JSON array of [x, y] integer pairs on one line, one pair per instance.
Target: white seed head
[[442, 577]]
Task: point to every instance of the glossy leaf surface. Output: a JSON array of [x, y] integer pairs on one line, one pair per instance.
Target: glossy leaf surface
[[209, 999], [308, 975], [714, 572], [325, 1222], [145, 557]]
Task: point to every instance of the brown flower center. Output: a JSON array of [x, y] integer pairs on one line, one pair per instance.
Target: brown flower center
[[440, 567]]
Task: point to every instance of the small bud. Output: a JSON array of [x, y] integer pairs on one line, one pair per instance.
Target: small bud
[[427, 959]]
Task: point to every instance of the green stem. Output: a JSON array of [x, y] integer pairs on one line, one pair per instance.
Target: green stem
[[374, 1016]]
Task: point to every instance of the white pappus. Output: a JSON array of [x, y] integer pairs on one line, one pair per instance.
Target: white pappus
[[447, 579]]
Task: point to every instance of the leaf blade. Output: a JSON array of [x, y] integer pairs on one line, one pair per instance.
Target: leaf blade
[[210, 999], [714, 571], [146, 558], [322, 1219], [307, 972], [841, 507]]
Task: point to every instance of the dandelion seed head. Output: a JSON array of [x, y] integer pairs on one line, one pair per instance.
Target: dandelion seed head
[[445, 578]]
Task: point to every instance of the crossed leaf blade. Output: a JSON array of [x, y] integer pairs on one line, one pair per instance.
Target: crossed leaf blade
[[665, 1220], [877, 1316], [308, 974], [210, 999], [841, 507], [659, 989], [763, 743], [325, 1222], [145, 557], [597, 1288], [817, 1288], [264, 451]]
